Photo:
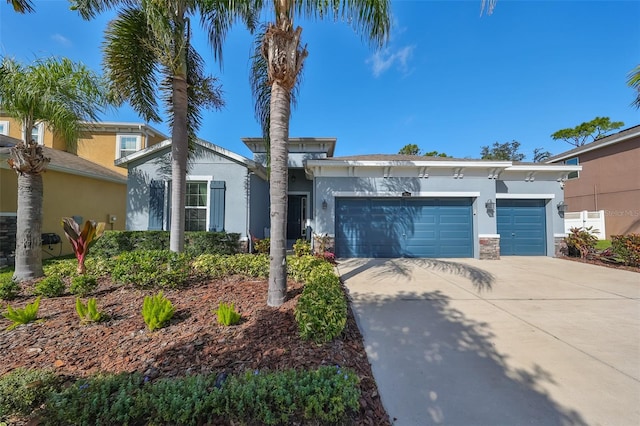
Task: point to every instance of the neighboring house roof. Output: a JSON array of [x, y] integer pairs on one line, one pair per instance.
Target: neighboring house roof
[[139, 155], [621, 136], [64, 162], [118, 127]]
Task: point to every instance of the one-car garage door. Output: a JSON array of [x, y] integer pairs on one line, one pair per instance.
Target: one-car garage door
[[522, 227], [404, 227]]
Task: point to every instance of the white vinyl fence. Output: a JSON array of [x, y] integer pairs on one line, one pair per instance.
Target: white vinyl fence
[[585, 219]]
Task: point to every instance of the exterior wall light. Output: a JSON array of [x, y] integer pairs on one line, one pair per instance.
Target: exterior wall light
[[324, 204], [490, 205], [563, 207]]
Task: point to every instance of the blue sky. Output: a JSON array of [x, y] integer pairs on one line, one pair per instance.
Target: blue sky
[[449, 80]]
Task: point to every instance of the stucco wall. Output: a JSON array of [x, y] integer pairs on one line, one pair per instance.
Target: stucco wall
[[609, 181]]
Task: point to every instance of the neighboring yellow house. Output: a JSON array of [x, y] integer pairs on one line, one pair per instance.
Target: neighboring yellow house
[[101, 143], [82, 182]]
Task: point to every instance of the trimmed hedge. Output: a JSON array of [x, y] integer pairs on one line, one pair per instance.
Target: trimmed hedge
[[113, 243], [151, 269]]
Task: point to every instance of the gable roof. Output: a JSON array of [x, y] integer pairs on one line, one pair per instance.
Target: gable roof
[[621, 136], [65, 162], [144, 153]]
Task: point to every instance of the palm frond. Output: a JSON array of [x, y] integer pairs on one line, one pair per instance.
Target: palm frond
[[634, 82], [89, 9], [131, 63], [22, 6]]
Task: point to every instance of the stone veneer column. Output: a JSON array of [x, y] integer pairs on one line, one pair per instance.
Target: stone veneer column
[[490, 248], [7, 240], [329, 243], [560, 246]]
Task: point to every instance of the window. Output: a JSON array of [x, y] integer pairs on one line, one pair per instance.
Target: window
[[572, 162], [4, 128], [37, 133], [127, 144], [196, 207]]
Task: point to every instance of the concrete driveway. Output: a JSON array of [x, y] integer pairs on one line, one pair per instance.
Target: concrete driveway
[[519, 341]]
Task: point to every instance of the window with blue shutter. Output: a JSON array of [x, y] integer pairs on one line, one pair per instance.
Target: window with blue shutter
[[216, 209], [156, 205]]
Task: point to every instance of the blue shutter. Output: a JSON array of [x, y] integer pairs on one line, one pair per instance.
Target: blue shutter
[[156, 205], [216, 210]]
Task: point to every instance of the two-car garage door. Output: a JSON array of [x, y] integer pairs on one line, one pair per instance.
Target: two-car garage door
[[404, 227]]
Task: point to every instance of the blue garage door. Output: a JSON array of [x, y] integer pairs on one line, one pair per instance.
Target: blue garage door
[[522, 227], [404, 227]]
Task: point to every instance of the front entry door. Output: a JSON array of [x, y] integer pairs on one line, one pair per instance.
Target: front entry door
[[296, 216]]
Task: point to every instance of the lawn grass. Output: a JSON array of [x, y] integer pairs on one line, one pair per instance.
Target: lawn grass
[[603, 244]]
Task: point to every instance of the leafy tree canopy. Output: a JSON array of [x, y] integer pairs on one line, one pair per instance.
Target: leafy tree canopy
[[539, 155], [413, 149], [594, 129], [507, 151]]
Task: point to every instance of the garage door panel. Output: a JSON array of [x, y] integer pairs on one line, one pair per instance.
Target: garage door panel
[[387, 227], [522, 227]]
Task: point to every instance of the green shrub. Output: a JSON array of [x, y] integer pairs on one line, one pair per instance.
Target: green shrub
[[299, 268], [321, 312], [227, 314], [51, 286], [22, 391], [9, 289], [157, 311], [627, 247], [61, 267], [581, 242], [24, 315], [216, 266], [262, 246], [100, 266], [114, 243], [302, 247], [88, 312], [151, 269], [82, 285]]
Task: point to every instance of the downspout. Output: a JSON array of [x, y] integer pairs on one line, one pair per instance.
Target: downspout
[[248, 212]]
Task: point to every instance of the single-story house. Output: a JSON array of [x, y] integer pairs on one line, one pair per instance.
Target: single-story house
[[609, 180], [362, 206]]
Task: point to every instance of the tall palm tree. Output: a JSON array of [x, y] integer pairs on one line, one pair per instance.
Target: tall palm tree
[[63, 94], [634, 82], [284, 57], [148, 50]]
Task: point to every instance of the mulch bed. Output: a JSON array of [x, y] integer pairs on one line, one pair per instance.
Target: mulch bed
[[267, 339], [599, 262]]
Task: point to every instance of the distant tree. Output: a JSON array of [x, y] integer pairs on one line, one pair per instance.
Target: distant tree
[[594, 129], [410, 149], [539, 155], [507, 151], [634, 82], [436, 154]]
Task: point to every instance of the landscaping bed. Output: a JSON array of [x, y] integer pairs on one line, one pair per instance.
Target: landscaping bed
[[267, 339]]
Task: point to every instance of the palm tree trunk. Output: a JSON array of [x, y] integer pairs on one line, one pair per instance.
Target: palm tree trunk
[[278, 188], [29, 225], [179, 153]]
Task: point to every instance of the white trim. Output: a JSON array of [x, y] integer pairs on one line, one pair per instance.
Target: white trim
[[308, 206], [585, 148], [207, 180], [40, 130], [489, 236], [544, 168], [526, 196], [403, 163], [469, 194], [8, 214], [559, 235], [119, 137]]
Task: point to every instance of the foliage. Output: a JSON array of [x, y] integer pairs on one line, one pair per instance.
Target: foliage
[[114, 243], [539, 155], [627, 247], [322, 396], [22, 391], [151, 268], [82, 240], [634, 83], [603, 244], [89, 312], [22, 315], [594, 129], [410, 149], [581, 242], [227, 314], [262, 246], [321, 312], [216, 266], [436, 154], [302, 247], [9, 289], [157, 311], [82, 285], [507, 151], [62, 268], [299, 268], [51, 286]]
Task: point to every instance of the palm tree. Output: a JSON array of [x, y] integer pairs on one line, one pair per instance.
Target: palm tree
[[147, 51], [283, 57], [21, 6], [62, 94], [634, 82]]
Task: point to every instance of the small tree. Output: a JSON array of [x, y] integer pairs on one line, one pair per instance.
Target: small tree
[[594, 129], [436, 154], [410, 149], [507, 151], [539, 155], [82, 240]]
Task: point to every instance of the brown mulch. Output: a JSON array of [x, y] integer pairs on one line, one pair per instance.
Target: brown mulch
[[267, 339], [599, 262]]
